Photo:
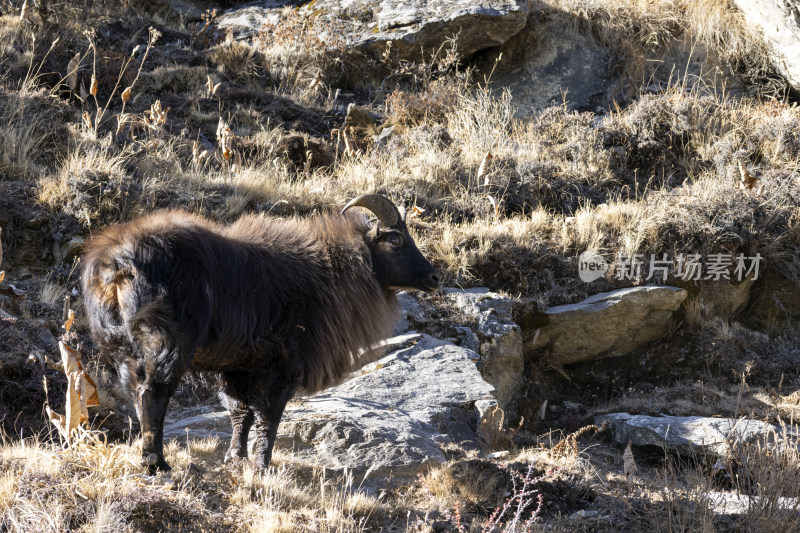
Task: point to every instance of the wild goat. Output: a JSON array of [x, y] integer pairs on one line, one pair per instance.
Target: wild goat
[[275, 306]]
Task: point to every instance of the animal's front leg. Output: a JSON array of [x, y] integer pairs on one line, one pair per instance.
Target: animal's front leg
[[160, 367], [268, 415], [153, 401]]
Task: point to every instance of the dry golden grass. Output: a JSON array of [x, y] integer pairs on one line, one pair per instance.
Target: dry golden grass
[[51, 293], [478, 483], [95, 485], [553, 185]]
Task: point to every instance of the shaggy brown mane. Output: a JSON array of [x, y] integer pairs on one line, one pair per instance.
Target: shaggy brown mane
[[337, 333]]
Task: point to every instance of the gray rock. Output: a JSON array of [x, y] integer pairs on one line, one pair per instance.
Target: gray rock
[[391, 418], [410, 310], [245, 21], [468, 338], [66, 252], [734, 504], [778, 21], [500, 341], [685, 435], [546, 65], [609, 324], [206, 423], [413, 28], [48, 339], [482, 303]]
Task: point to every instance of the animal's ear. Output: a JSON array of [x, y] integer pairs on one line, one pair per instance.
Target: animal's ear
[[375, 232]]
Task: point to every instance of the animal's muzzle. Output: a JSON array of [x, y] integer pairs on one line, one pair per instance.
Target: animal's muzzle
[[431, 282]]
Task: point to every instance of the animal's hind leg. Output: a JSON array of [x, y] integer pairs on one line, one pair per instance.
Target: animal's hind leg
[[242, 417], [268, 401]]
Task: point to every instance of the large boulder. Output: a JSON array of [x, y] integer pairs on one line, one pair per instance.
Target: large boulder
[[392, 418], [778, 22], [499, 341], [608, 324], [547, 65], [414, 29], [686, 435]]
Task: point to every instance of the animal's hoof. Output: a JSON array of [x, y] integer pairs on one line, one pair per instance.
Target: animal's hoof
[[233, 456], [154, 463]]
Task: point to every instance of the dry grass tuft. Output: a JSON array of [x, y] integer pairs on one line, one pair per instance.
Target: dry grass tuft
[[480, 483]]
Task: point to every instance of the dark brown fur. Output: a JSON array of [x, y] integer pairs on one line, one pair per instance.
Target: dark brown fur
[[273, 305]]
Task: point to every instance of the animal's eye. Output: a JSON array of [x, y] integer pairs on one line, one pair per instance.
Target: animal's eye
[[394, 240]]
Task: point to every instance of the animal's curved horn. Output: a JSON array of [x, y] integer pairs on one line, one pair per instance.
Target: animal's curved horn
[[384, 209]]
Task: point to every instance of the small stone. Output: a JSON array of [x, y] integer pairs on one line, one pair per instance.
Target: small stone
[[498, 455], [37, 221], [48, 339], [154, 481], [358, 118], [71, 249], [385, 134]]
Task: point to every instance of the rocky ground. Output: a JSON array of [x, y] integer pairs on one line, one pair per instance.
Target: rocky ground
[[531, 393]]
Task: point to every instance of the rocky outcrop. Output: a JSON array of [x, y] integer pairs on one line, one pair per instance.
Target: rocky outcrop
[[685, 435], [546, 66], [778, 22], [414, 29], [392, 418], [608, 324], [499, 341]]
